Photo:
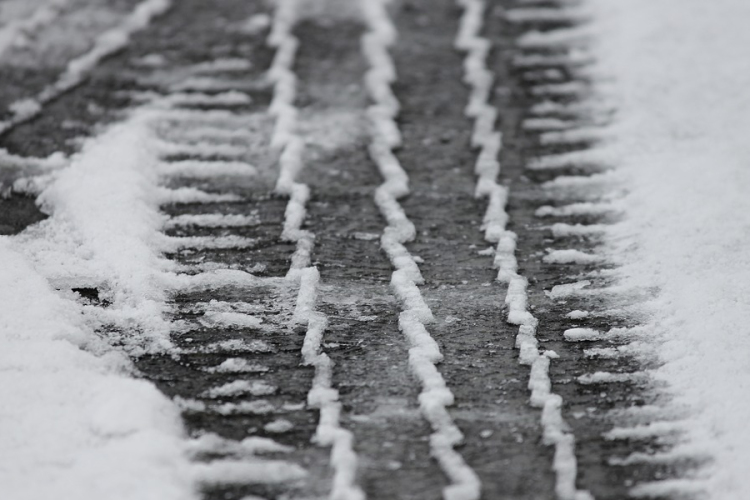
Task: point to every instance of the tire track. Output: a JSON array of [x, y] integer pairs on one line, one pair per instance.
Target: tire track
[[322, 395], [378, 396], [571, 197], [424, 352]]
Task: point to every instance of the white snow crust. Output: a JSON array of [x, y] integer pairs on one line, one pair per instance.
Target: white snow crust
[[678, 73], [74, 424]]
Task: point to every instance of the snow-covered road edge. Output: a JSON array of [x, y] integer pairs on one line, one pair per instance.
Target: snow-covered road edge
[[74, 424], [678, 75], [74, 419]]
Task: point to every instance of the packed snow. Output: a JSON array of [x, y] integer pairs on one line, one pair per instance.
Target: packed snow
[[73, 419], [678, 74]]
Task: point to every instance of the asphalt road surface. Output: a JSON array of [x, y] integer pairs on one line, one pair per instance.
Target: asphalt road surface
[[504, 446]]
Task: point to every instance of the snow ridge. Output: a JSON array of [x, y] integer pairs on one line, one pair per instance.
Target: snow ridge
[[285, 137], [424, 352], [489, 142], [105, 45], [321, 395]]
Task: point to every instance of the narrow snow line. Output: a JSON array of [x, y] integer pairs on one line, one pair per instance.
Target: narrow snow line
[[544, 40], [237, 365], [227, 65], [228, 319], [424, 352], [204, 169], [216, 84], [76, 71], [572, 136], [647, 431], [322, 394], [668, 488], [176, 243], [612, 378], [546, 15], [563, 230], [489, 142], [228, 98], [212, 220], [193, 195], [574, 61], [285, 136], [207, 133], [578, 209], [556, 90], [43, 16], [224, 119], [570, 256], [250, 446], [245, 471], [55, 161], [202, 150]]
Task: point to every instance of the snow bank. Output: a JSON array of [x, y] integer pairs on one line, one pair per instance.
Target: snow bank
[[104, 231], [679, 75], [74, 425]]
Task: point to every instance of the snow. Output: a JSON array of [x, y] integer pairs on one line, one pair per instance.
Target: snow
[[230, 319], [278, 426], [107, 428], [197, 169], [77, 69], [14, 31], [241, 387], [563, 230], [647, 431], [570, 256], [177, 243], [489, 142], [423, 352], [193, 195], [230, 471], [285, 135], [539, 14], [237, 365], [204, 150], [104, 231], [678, 74], [213, 220], [322, 394], [573, 209]]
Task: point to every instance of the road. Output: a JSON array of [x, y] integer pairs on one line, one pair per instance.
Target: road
[[362, 223]]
